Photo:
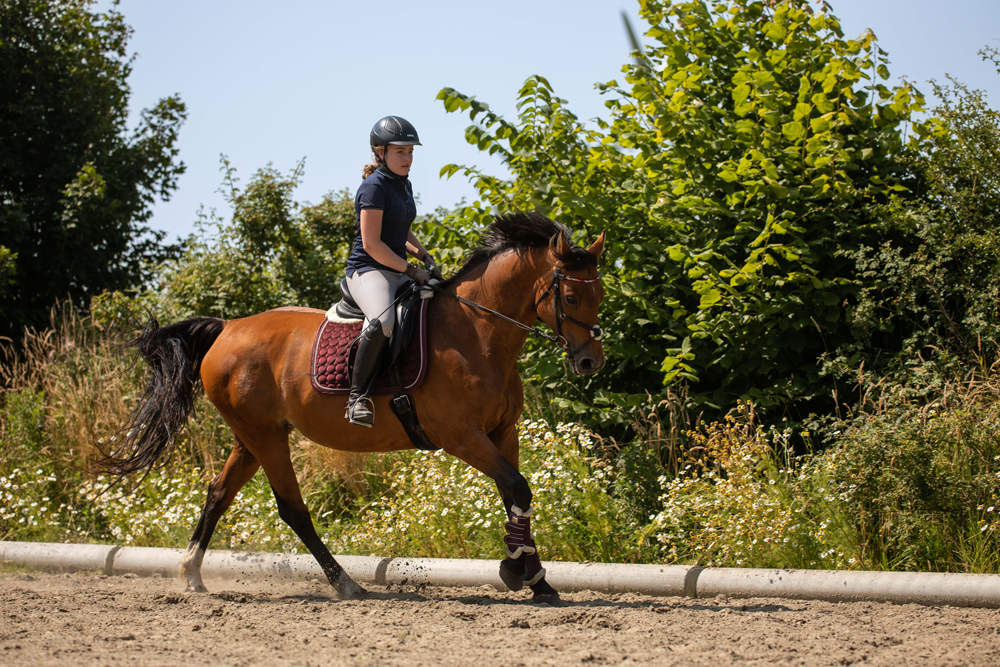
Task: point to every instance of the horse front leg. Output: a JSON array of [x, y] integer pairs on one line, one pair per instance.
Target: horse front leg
[[523, 564]]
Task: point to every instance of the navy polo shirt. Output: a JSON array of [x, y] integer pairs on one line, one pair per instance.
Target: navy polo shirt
[[393, 195]]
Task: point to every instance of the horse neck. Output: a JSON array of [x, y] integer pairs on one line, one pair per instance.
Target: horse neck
[[507, 285]]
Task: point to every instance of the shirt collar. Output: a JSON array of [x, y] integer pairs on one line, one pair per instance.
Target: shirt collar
[[385, 171]]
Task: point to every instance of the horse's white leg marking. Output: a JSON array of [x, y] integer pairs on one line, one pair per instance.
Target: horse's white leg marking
[[191, 568]]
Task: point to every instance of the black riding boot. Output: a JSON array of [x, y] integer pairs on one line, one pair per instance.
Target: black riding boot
[[360, 409]]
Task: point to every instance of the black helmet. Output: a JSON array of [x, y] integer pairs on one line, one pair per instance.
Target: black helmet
[[396, 131]]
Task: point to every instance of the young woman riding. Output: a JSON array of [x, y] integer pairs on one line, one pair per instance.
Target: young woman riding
[[377, 266]]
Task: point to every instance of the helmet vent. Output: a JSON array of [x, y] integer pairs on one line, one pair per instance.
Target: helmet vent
[[394, 130]]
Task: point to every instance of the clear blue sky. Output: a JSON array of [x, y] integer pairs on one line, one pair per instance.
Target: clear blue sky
[[276, 82]]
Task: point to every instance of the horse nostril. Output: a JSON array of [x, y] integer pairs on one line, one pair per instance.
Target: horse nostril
[[587, 365]]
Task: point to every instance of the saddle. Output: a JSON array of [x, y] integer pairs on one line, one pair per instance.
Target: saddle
[[404, 365]]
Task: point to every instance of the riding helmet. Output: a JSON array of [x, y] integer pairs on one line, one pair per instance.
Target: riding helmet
[[395, 131]]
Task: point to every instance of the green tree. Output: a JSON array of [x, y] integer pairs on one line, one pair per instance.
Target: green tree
[[743, 157], [273, 252], [931, 285], [76, 184]]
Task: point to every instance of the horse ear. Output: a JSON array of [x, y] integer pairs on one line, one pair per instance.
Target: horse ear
[[598, 247], [559, 246]]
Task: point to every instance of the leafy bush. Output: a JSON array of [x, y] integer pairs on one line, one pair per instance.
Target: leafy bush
[[930, 291], [78, 183], [744, 154], [28, 509], [923, 480], [28, 490], [274, 252], [742, 500], [22, 421]]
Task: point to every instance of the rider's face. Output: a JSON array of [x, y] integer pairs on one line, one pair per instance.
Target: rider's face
[[399, 159]]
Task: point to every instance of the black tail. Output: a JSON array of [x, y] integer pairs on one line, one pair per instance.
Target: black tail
[[174, 354]]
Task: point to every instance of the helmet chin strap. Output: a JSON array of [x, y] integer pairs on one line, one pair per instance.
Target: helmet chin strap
[[380, 161]]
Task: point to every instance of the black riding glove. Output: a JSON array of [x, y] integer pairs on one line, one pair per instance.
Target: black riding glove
[[418, 275], [432, 267]]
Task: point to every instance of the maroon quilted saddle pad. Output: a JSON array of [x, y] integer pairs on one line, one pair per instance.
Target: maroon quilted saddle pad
[[333, 357]]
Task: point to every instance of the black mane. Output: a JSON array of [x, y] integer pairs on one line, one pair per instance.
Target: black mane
[[522, 230]]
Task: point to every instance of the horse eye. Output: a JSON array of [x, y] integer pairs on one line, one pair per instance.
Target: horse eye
[[571, 299]]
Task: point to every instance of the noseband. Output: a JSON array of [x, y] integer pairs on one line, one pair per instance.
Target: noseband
[[556, 288]]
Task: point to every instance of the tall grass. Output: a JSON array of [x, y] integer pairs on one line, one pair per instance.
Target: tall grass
[[742, 499], [437, 506], [89, 384], [922, 471]]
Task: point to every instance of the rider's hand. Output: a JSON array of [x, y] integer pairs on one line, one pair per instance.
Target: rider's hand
[[432, 267], [417, 275]]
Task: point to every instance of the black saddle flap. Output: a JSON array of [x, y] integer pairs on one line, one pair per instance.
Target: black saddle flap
[[406, 317], [346, 308]]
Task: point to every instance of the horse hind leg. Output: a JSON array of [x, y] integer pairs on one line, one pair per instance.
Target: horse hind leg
[[277, 464], [239, 469]]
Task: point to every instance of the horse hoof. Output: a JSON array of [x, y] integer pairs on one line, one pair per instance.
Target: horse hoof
[[548, 598], [513, 581], [355, 593], [348, 589], [196, 588]]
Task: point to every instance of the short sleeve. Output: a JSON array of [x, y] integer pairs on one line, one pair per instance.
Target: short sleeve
[[370, 195]]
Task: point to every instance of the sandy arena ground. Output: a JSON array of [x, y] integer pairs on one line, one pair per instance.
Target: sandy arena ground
[[86, 619]]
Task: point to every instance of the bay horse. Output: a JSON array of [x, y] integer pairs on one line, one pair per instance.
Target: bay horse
[[255, 370]]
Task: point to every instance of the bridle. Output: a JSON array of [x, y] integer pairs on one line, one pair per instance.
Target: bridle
[[556, 288]]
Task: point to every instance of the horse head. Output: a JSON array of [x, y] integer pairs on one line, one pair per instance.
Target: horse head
[[570, 303]]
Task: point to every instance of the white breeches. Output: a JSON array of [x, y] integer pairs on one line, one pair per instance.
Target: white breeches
[[374, 292]]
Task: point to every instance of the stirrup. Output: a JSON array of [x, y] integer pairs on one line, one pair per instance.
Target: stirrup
[[360, 419]]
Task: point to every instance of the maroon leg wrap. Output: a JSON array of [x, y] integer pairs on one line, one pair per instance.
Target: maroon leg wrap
[[533, 570], [519, 542], [518, 533]]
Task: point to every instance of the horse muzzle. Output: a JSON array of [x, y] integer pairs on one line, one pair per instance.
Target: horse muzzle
[[586, 362]]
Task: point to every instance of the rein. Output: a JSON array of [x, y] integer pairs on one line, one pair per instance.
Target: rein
[[557, 276], [534, 330]]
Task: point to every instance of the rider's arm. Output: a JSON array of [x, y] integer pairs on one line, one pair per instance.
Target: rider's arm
[[414, 247], [371, 238]]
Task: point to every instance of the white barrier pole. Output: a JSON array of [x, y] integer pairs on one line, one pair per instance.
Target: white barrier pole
[[60, 557], [663, 580], [926, 588], [150, 561]]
